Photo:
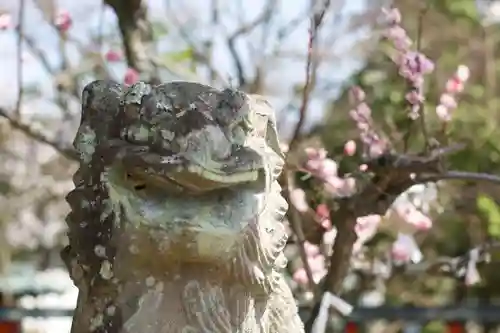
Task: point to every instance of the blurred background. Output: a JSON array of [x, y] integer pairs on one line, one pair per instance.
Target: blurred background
[[50, 49]]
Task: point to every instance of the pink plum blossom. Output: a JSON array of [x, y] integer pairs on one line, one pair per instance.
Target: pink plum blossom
[[63, 21], [341, 187], [323, 211], [298, 200], [463, 73], [113, 56], [406, 218], [361, 114], [454, 86], [393, 15], [311, 249], [323, 214], [356, 95], [366, 227], [300, 276], [350, 148], [131, 76], [318, 269], [5, 21], [325, 170], [405, 249], [319, 165], [415, 218]]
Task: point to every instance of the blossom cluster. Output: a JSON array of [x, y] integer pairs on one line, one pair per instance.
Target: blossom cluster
[[373, 143], [412, 65], [325, 169], [454, 86], [404, 219]]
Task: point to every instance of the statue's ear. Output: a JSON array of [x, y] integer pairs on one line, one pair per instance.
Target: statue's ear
[[264, 122]]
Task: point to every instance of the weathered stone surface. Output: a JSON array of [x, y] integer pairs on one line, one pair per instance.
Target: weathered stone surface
[[175, 222]]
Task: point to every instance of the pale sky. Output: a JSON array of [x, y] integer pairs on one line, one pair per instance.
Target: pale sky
[[86, 16]]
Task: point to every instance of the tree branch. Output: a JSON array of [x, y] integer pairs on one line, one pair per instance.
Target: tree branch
[[198, 55], [449, 266], [136, 31], [461, 175], [316, 21], [62, 148], [245, 29], [20, 33], [297, 228], [391, 175]]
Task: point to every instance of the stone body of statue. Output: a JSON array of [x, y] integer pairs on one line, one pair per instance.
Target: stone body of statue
[[175, 222]]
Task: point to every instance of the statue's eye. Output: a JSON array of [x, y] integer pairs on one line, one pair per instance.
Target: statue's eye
[[137, 184], [230, 107]]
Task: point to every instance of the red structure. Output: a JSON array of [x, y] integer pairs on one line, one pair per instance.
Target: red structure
[[454, 317], [455, 327], [7, 325], [351, 327], [10, 327]]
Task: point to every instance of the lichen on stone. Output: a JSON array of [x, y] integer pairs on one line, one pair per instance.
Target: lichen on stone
[[177, 212]]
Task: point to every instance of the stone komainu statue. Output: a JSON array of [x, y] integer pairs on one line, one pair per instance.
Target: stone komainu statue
[[175, 216]]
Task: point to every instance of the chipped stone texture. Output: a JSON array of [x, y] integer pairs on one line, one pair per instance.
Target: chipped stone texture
[[176, 213]]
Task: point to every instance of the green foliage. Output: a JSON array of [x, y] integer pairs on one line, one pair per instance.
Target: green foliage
[[5, 187], [476, 91], [185, 56], [434, 327], [451, 35], [489, 208], [160, 29], [179, 56], [464, 8]]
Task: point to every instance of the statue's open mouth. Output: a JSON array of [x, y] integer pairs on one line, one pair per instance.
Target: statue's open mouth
[[186, 173]]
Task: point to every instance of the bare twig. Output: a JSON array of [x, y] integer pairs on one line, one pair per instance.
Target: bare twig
[[460, 175], [62, 148], [288, 28], [69, 84], [258, 54], [421, 105], [293, 24], [214, 19], [245, 29], [420, 36], [449, 266], [316, 21], [20, 33], [456, 265], [296, 224], [197, 54], [100, 29], [48, 9], [39, 54]]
